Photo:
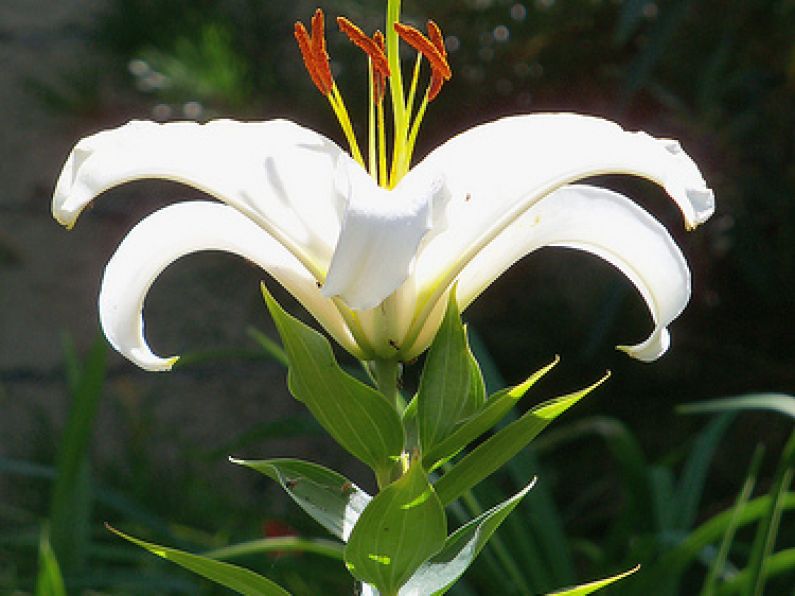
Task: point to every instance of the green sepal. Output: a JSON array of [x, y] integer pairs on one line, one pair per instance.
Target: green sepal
[[490, 455], [358, 417], [403, 526], [591, 587], [326, 496], [495, 408], [441, 571], [243, 581], [451, 386]]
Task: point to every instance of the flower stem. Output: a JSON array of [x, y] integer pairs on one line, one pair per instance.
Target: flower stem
[[386, 374]]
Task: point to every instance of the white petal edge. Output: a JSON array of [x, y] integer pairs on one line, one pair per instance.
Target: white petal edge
[[279, 174], [180, 229], [496, 171], [608, 225]]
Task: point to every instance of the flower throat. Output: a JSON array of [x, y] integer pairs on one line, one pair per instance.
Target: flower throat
[[383, 67]]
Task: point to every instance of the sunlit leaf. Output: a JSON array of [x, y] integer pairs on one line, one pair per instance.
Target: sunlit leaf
[[490, 455], [242, 580], [591, 587], [328, 497], [444, 397], [483, 420], [357, 416], [461, 548], [403, 526], [49, 581]]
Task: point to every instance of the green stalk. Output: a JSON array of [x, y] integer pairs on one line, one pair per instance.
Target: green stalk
[[386, 373]]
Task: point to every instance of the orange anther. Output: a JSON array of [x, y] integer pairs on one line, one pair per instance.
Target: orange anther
[[437, 80], [379, 78], [313, 51], [436, 37], [372, 47], [426, 47]]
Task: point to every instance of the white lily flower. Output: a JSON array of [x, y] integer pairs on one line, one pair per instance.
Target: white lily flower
[[373, 263]]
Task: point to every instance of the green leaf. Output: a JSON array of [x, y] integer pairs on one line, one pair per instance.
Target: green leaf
[[776, 564], [718, 564], [70, 505], [236, 578], [460, 549], [490, 455], [495, 408], [403, 526], [49, 581], [270, 347], [293, 544], [328, 497], [444, 397], [590, 587], [766, 532], [477, 386], [676, 559], [691, 483], [357, 416], [776, 402]]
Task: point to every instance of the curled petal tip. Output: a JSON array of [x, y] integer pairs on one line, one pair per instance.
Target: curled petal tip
[[650, 349], [703, 200], [151, 362]]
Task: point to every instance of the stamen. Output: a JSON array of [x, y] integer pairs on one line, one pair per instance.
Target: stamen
[[437, 80], [319, 52], [313, 52], [379, 80], [370, 46], [426, 47], [305, 46]]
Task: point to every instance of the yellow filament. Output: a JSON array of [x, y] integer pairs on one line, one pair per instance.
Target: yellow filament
[[415, 129], [341, 112], [413, 88]]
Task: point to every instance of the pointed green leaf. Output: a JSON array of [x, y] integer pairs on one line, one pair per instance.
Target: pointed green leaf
[[490, 455], [766, 532], [71, 499], [402, 526], [49, 581], [593, 586], [719, 562], [495, 408], [282, 544], [477, 386], [357, 416], [242, 580], [328, 497], [444, 397], [460, 549], [776, 402]]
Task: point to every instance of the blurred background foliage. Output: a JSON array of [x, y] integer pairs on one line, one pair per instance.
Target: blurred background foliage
[[717, 75]]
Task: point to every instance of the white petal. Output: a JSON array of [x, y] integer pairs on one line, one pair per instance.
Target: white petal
[[379, 237], [180, 229], [608, 225], [279, 174], [494, 172]]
